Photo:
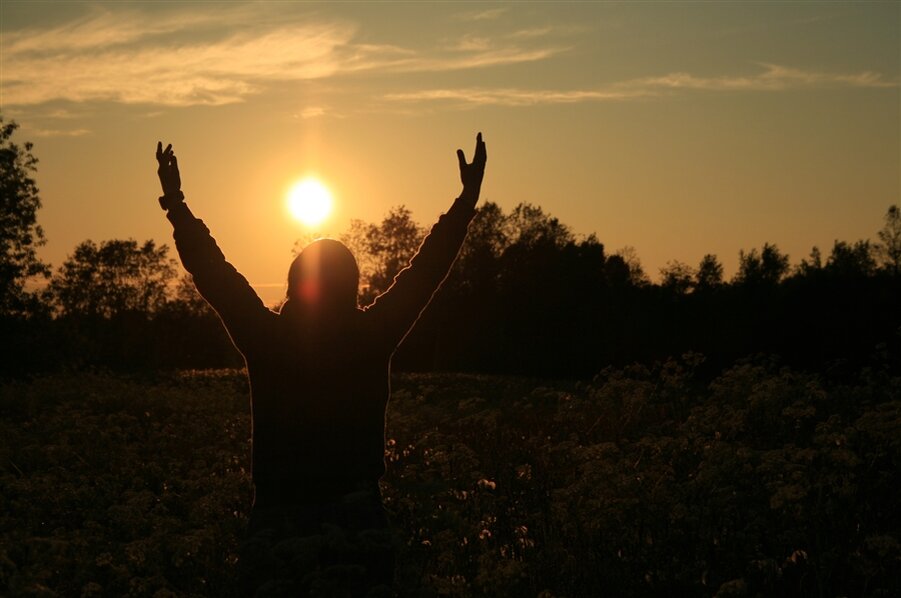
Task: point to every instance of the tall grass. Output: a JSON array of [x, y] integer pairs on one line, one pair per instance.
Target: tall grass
[[642, 482]]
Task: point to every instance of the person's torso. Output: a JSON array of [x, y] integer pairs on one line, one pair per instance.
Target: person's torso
[[319, 399]]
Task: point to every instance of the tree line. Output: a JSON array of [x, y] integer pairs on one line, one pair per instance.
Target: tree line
[[526, 296]]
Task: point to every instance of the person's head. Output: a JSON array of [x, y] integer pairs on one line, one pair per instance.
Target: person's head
[[324, 277]]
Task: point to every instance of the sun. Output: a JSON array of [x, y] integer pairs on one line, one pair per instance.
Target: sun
[[310, 201]]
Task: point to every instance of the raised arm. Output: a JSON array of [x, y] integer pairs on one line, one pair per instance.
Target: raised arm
[[398, 308], [217, 281]]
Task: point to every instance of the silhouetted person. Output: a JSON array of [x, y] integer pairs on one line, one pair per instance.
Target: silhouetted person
[[319, 377]]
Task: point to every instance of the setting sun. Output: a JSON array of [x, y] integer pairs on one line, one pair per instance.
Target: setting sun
[[310, 201]]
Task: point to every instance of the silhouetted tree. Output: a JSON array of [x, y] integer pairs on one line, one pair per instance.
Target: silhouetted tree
[[478, 265], [677, 277], [534, 242], [382, 250], [20, 234], [488, 233], [812, 264], [528, 225], [616, 271], [113, 278], [890, 235], [630, 258], [185, 300], [709, 274], [851, 260], [767, 267]]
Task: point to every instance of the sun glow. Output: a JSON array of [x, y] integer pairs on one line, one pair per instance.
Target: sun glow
[[310, 201]]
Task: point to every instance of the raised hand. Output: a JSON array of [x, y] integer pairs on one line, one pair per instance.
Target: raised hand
[[471, 174], [170, 179]]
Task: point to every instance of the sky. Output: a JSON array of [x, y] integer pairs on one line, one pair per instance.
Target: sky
[[677, 128]]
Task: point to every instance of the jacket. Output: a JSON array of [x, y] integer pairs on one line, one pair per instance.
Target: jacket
[[319, 391]]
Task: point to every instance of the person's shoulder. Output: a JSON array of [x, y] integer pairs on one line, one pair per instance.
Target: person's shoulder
[[367, 319], [265, 323]]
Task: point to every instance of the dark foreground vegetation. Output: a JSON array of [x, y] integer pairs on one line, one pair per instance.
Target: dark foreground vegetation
[[644, 482]]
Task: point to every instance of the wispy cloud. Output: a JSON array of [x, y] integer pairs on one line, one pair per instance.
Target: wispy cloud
[[513, 97], [484, 58], [533, 32], [773, 78], [471, 42], [561, 30], [61, 113], [107, 57], [312, 112], [207, 58], [59, 132], [488, 14]]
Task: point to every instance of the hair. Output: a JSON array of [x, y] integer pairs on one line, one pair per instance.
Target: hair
[[331, 266]]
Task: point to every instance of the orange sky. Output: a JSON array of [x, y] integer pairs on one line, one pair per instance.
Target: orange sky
[[679, 129]]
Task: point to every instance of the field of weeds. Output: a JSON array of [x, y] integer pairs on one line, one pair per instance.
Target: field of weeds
[[642, 482]]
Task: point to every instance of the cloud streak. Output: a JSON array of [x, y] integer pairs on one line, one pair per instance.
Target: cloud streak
[[773, 78], [60, 132], [488, 14], [193, 58], [513, 97]]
